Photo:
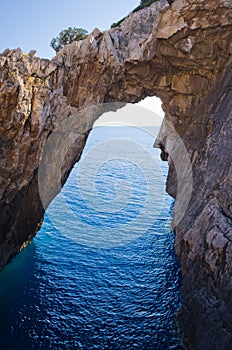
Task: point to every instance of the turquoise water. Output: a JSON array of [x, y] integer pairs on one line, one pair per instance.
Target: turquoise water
[[102, 272]]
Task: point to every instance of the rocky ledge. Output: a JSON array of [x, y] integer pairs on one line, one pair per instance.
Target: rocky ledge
[[180, 52]]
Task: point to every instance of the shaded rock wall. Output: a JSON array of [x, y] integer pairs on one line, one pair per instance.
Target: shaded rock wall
[[204, 244], [180, 53]]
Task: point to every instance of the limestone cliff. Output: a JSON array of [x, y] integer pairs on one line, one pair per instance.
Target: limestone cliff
[[180, 53]]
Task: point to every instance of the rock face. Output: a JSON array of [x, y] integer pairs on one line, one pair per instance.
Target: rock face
[[180, 53]]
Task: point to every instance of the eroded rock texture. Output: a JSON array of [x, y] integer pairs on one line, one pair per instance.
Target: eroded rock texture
[[179, 52]]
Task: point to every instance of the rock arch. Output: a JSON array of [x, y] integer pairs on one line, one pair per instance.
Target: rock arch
[[180, 53]]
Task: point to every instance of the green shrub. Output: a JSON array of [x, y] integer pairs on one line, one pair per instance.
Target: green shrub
[[67, 36], [116, 24]]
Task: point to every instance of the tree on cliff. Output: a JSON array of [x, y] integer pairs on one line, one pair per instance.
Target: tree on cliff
[[67, 36]]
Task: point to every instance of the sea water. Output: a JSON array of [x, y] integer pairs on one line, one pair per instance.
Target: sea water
[[102, 272]]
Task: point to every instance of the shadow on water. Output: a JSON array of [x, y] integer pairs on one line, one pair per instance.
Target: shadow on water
[[18, 300]]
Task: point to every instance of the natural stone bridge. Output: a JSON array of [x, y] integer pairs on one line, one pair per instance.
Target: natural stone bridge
[[180, 53]]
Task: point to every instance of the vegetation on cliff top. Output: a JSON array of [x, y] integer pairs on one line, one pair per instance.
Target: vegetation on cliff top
[[67, 36]]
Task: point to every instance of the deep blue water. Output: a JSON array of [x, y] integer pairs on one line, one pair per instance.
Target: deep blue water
[[102, 272]]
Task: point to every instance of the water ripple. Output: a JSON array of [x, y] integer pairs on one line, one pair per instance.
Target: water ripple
[[58, 294]]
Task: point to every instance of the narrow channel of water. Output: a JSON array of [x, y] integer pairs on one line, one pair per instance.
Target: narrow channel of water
[[107, 277]]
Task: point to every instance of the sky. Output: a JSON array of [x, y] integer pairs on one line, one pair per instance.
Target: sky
[[145, 113], [32, 25]]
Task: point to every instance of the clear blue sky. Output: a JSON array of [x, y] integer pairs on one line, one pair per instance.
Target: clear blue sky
[[32, 24]]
